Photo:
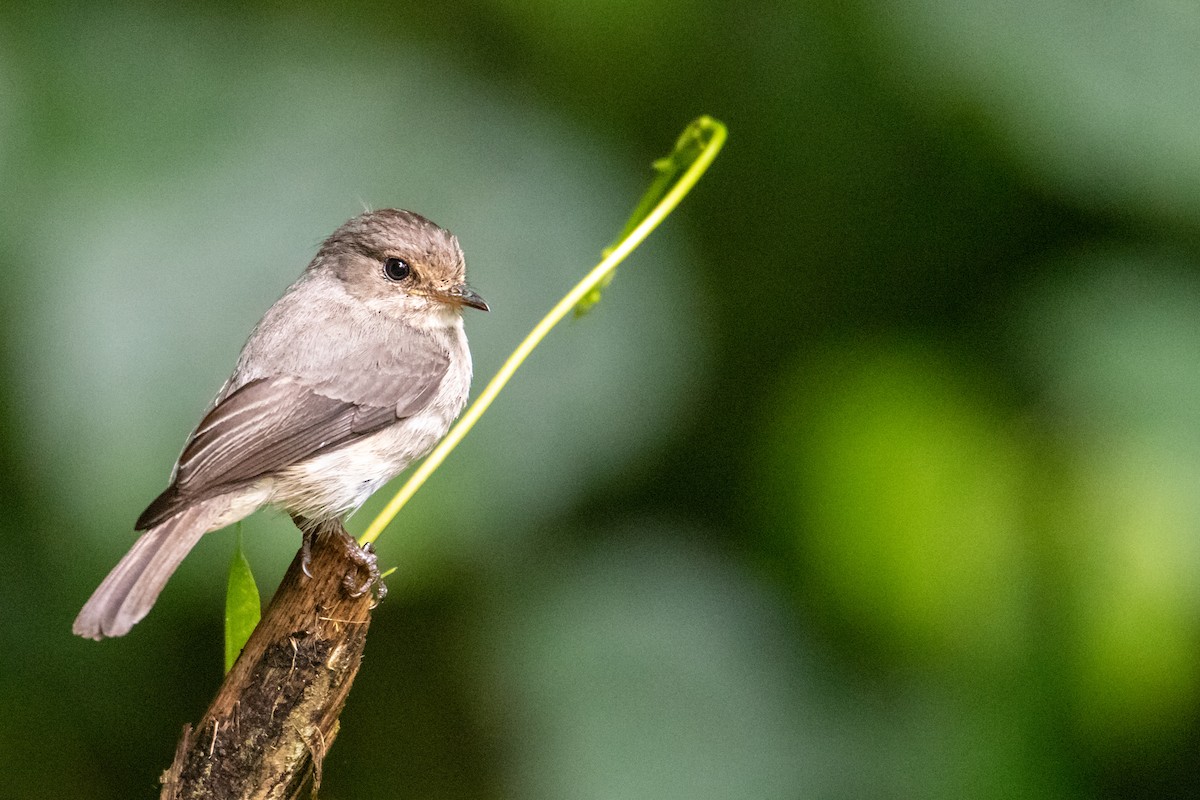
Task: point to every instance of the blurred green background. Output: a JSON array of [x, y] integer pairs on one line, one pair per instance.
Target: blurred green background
[[875, 474]]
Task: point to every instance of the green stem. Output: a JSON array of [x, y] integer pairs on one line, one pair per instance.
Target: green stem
[[694, 152]]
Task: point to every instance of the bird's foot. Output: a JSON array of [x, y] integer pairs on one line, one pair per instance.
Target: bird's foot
[[366, 563]]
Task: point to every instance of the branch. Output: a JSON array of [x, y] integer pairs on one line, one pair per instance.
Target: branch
[[276, 714]]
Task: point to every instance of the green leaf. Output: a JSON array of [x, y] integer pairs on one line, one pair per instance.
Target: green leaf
[[243, 609]]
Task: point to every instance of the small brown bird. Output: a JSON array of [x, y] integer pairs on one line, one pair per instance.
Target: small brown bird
[[355, 372]]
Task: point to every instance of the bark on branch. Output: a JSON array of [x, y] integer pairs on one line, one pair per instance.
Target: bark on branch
[[276, 714]]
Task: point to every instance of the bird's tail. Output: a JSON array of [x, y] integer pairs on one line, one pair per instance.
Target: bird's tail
[[129, 591]]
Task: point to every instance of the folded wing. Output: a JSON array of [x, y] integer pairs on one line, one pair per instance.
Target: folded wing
[[273, 423]]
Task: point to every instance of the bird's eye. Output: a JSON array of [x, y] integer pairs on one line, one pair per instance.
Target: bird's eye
[[396, 269]]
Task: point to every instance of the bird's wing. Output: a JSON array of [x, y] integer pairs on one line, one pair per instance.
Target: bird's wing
[[272, 423]]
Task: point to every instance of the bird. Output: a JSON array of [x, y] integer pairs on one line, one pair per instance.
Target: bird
[[355, 372]]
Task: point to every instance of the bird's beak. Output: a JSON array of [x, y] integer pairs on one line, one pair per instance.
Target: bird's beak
[[463, 295]]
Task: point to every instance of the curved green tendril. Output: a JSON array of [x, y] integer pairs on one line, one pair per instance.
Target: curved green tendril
[[677, 172]]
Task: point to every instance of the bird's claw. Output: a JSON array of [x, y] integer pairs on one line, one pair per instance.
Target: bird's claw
[[365, 561], [306, 544]]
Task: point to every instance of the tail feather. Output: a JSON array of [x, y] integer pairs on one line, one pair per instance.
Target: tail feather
[[129, 591]]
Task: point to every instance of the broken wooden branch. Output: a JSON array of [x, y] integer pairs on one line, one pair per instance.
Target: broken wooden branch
[[275, 716]]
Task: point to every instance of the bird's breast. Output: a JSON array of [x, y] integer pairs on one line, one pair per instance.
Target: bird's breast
[[336, 482]]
